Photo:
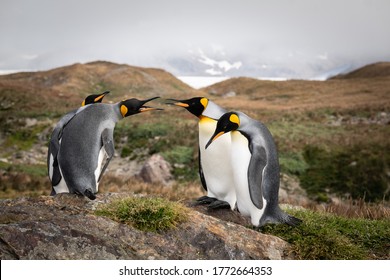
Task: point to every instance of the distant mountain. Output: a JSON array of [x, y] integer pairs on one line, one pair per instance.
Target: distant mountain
[[376, 70], [101, 75], [364, 87], [62, 88]]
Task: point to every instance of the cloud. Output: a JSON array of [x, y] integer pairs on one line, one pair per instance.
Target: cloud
[[289, 34]]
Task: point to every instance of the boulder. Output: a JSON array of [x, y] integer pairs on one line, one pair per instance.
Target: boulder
[[156, 170]]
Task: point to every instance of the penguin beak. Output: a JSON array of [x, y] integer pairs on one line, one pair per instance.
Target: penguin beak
[[147, 108], [179, 103], [215, 136], [100, 97], [147, 100]]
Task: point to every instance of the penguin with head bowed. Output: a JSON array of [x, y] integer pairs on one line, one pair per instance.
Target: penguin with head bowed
[[54, 144], [87, 144], [256, 169], [214, 164]]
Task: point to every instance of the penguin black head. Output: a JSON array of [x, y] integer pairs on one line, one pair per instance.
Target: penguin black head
[[228, 122], [195, 105], [134, 106], [94, 98]]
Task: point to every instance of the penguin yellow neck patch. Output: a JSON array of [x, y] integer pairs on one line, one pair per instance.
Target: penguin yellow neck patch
[[234, 119], [124, 110], [83, 104]]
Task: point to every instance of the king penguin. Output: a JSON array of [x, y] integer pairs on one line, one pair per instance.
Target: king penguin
[[256, 169], [215, 170], [54, 145], [87, 144]]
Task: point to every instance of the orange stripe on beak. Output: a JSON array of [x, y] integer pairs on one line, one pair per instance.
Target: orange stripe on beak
[[184, 105]]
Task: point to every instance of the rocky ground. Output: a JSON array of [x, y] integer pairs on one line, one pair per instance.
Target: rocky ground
[[64, 227]]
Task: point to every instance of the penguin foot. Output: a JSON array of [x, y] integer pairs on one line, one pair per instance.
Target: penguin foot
[[88, 193], [205, 200], [218, 204], [292, 221]]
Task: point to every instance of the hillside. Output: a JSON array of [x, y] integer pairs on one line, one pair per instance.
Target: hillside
[[376, 70], [305, 95], [60, 89]]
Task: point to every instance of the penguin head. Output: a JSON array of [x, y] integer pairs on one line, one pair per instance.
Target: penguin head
[[228, 122], [195, 105], [134, 106], [94, 98]]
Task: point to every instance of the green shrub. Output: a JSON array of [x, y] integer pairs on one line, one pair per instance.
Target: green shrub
[[292, 163], [145, 213], [358, 171], [179, 154], [184, 165]]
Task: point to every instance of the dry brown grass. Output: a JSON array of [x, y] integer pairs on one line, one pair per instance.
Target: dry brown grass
[[355, 209], [295, 95], [177, 191]]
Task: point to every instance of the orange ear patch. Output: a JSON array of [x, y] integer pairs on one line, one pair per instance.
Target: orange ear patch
[[234, 119], [204, 102], [124, 110]]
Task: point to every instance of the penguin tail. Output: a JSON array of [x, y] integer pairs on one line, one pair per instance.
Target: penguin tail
[[88, 193]]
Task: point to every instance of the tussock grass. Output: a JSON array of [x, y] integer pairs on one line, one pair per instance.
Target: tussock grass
[[355, 209], [331, 237], [145, 213]]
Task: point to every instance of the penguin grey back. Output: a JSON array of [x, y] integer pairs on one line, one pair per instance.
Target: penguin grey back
[[54, 145], [213, 111], [81, 143], [260, 136]]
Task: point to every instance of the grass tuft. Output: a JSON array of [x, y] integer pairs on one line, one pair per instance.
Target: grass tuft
[[152, 214]]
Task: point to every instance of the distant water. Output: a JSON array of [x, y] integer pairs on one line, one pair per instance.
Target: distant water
[[200, 81], [6, 72]]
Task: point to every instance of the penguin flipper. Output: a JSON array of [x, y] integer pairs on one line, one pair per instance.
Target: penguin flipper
[[201, 174], [255, 174], [108, 145], [54, 146]]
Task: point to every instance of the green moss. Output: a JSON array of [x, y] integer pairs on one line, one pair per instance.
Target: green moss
[[21, 139], [36, 170], [325, 236], [147, 214]]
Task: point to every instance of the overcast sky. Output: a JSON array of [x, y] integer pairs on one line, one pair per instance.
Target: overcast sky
[[42, 34]]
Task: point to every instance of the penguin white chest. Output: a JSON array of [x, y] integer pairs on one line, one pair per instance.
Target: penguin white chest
[[241, 157], [215, 163], [101, 157]]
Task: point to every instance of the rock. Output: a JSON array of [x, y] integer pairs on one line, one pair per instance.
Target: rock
[[291, 192], [64, 227], [29, 122], [229, 94], [156, 170]]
